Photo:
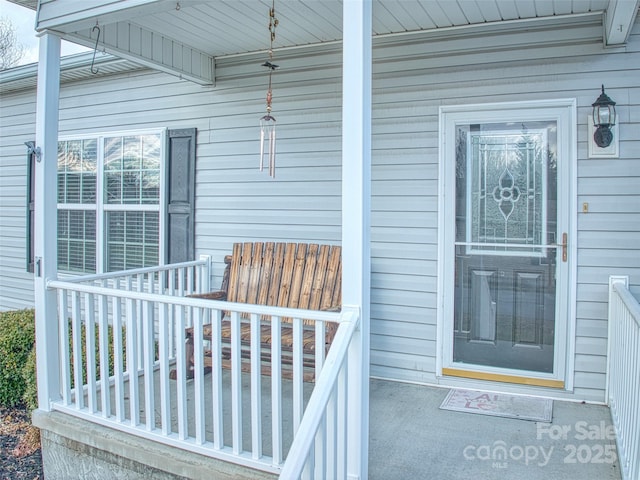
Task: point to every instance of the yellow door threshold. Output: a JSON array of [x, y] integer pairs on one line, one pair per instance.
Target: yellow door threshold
[[498, 377]]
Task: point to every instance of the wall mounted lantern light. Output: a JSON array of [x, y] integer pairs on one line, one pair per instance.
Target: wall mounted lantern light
[[604, 117]]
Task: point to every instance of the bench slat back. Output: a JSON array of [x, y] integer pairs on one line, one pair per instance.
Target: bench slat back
[[286, 274]]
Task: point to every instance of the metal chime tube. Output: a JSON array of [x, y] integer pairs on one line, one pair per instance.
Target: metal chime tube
[[272, 150], [268, 135], [261, 145]]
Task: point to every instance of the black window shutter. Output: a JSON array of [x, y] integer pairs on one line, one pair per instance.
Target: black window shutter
[[31, 202], [181, 172]]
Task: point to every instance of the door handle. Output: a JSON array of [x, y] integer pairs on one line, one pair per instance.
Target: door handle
[[564, 247]]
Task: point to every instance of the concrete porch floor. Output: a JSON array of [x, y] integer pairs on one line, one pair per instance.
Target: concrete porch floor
[[411, 438]]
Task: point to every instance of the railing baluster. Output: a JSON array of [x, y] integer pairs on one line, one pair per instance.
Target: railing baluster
[[103, 333], [181, 370], [190, 280], [163, 355], [216, 380], [298, 393], [320, 455], [320, 335], [90, 342], [151, 286], [198, 375], [139, 317], [148, 354], [118, 353], [65, 363], [169, 291], [341, 413], [276, 391], [332, 435], [236, 385], [320, 443], [76, 334], [132, 361], [307, 473], [256, 388], [181, 282]]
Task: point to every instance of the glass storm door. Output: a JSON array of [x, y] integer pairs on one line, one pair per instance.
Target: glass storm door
[[506, 246]]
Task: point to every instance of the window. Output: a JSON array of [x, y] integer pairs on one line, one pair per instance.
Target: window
[[505, 199], [132, 201], [77, 206], [109, 184], [115, 209]]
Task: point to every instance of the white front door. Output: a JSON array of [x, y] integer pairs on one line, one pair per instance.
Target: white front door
[[505, 233]]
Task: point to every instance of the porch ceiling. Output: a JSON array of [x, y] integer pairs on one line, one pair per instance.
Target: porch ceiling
[[185, 36]]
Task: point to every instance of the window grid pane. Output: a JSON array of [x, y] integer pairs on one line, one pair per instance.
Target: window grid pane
[[132, 239], [77, 240], [132, 170], [77, 169]]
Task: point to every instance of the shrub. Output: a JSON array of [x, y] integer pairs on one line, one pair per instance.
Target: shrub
[[17, 340], [96, 355], [30, 396], [18, 381]]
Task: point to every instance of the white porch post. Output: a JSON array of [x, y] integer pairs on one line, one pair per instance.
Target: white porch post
[[356, 208], [45, 248]]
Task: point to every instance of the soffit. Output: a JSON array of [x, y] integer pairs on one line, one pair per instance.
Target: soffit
[[184, 37], [224, 27]]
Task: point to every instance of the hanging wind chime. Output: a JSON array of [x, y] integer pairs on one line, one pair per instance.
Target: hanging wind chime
[[268, 122]]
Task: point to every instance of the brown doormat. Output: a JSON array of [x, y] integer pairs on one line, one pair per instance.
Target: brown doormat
[[499, 404]]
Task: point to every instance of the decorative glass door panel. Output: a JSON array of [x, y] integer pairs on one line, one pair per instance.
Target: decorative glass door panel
[[506, 246]]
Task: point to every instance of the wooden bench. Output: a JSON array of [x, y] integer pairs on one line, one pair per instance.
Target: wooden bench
[[305, 276]]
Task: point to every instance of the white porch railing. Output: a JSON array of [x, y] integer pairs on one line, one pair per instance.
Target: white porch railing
[[121, 334], [320, 446], [623, 374]]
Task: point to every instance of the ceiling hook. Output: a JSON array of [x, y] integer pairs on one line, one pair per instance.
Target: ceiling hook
[[95, 49]]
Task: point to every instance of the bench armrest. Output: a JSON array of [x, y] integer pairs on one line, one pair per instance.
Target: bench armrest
[[331, 309], [217, 295]]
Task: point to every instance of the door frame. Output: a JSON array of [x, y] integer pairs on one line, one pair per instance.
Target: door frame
[[564, 112]]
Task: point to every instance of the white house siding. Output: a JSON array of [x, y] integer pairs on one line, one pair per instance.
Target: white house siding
[[486, 68], [412, 78], [17, 125]]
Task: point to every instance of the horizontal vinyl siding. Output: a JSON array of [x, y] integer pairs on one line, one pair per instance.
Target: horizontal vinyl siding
[[413, 76], [235, 201], [410, 83], [609, 234], [17, 125]]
